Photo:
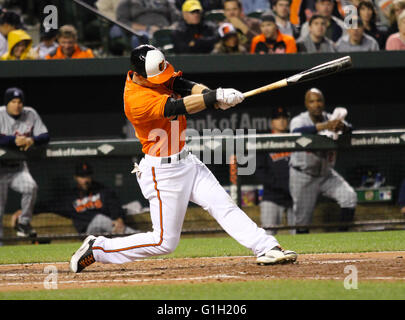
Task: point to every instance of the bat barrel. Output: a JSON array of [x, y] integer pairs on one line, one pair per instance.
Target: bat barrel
[[321, 70]]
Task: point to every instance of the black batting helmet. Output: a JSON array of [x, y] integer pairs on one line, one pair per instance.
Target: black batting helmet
[[151, 64]]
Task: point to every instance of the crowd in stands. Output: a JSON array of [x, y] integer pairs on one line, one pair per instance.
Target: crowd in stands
[[222, 27]]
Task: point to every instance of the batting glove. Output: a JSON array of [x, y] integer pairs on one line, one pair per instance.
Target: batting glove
[[228, 98]]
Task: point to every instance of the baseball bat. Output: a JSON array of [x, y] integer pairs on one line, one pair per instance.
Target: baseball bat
[[316, 72]]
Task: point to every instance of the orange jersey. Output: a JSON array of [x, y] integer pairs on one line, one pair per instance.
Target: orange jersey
[[144, 108], [79, 53], [289, 41]]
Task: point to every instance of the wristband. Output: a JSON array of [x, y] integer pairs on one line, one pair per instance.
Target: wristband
[[210, 98]]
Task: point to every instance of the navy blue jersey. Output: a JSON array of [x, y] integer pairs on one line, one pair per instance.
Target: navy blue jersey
[[272, 170]]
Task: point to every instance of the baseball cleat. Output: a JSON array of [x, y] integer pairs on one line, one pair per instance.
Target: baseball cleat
[[277, 256], [83, 257], [25, 230]]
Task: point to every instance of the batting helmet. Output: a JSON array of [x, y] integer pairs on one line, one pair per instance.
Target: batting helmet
[[151, 64]]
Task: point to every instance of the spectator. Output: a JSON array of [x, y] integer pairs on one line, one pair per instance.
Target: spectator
[[273, 172], [398, 6], [247, 27], [21, 128], [396, 41], [334, 27], [108, 7], [193, 34], [207, 5], [281, 10], [250, 6], [316, 41], [356, 39], [68, 47], [301, 11], [229, 43], [93, 207], [9, 21], [47, 44], [145, 17], [368, 14], [401, 198], [19, 46], [272, 40], [312, 173]]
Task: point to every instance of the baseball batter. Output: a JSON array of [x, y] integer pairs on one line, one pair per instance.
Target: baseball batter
[[157, 100], [20, 127], [312, 173]]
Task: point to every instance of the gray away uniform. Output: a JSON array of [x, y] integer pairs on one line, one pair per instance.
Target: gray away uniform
[[312, 173], [15, 174]]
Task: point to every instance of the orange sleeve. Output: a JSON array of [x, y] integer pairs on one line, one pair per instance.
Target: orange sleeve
[[147, 107], [291, 46], [255, 40], [89, 53], [295, 11]]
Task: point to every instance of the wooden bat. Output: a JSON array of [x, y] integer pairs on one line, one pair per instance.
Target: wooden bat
[[319, 71]]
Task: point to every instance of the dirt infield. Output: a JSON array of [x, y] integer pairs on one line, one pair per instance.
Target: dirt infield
[[379, 266]]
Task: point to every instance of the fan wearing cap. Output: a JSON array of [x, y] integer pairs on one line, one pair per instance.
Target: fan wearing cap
[[229, 43], [20, 127], [168, 175], [272, 40], [272, 170], [47, 43], [193, 34]]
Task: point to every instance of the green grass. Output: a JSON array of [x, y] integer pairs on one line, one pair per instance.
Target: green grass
[[226, 246], [251, 290]]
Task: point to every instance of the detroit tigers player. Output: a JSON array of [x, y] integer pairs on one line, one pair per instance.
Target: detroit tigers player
[[20, 127], [312, 173], [157, 100]]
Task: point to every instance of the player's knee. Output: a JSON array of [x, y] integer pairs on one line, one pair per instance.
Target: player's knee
[[350, 200], [32, 188], [168, 245]]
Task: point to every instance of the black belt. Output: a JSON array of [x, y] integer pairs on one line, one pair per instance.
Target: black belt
[[182, 155]]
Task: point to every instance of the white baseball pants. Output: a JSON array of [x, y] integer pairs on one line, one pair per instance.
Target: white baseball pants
[[169, 188]]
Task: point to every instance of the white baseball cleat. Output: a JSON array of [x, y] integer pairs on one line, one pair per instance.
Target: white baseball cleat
[[277, 256], [83, 257]]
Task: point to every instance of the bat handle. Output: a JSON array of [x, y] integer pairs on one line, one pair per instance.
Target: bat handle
[[269, 87]]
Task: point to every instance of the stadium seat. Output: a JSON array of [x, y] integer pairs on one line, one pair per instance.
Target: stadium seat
[[162, 39], [256, 14], [215, 16]]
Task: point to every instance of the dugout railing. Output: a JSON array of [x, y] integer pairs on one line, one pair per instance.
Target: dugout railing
[[361, 156]]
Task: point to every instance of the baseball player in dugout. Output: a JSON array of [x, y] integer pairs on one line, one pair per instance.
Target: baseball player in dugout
[[272, 170], [93, 207], [20, 127], [312, 173], [156, 101]]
